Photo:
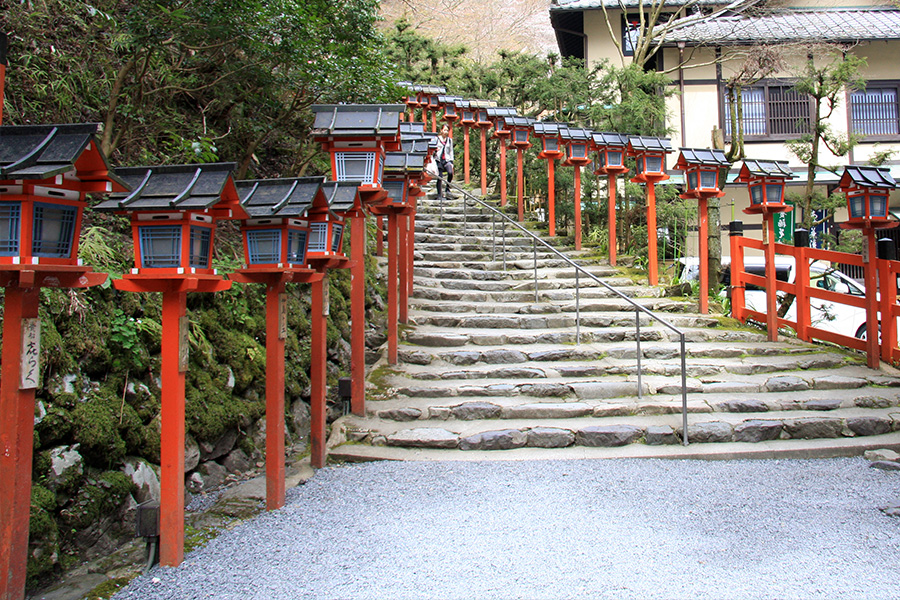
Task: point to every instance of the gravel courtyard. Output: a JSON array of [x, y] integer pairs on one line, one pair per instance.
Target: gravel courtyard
[[617, 529]]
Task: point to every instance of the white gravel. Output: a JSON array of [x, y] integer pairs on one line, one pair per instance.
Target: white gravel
[[617, 529]]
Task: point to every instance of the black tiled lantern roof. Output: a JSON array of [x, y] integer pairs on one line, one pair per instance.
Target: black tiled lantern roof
[[340, 195], [416, 128], [289, 198], [444, 99], [462, 103], [357, 120], [415, 144], [863, 176], [609, 140], [403, 163], [45, 151], [482, 104], [517, 121], [766, 168], [427, 89], [575, 134], [499, 112], [172, 187], [546, 128], [650, 144], [703, 156]]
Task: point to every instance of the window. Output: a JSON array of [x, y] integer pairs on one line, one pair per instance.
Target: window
[[200, 239], [336, 231], [774, 110], [264, 246], [874, 110], [160, 246], [9, 228], [318, 237], [296, 246], [53, 230]]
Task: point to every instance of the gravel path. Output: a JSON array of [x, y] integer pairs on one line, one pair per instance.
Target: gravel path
[[616, 529]]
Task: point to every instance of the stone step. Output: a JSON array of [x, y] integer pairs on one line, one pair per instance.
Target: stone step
[[490, 434], [660, 305], [539, 353], [589, 321], [422, 292], [469, 408]]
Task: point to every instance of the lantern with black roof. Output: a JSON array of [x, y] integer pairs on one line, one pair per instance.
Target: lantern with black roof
[[551, 150], [400, 169], [519, 128], [701, 167], [356, 135], [868, 191], [275, 237], [577, 141], [451, 114], [497, 116], [765, 181], [46, 171], [469, 116], [610, 149], [483, 123], [434, 102], [411, 100], [649, 155], [173, 211]]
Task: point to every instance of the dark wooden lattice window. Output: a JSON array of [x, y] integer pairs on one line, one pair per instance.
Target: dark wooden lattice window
[[875, 111], [771, 110]]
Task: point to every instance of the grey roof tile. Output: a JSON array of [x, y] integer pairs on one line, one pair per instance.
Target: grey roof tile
[[170, 187], [824, 25], [703, 156]]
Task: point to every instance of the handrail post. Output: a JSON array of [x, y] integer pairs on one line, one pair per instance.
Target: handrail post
[[577, 307], [637, 330], [493, 237], [535, 271], [504, 246], [466, 216]]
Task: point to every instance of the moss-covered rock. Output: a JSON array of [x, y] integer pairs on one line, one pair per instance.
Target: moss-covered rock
[[99, 496], [95, 424]]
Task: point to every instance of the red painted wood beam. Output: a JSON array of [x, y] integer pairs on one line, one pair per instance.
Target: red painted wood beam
[[16, 445], [358, 313], [520, 184], [275, 299], [702, 252], [612, 219], [466, 152], [502, 172], [483, 161], [171, 503], [652, 254], [551, 196], [393, 316], [771, 284], [317, 373], [578, 207], [403, 267]]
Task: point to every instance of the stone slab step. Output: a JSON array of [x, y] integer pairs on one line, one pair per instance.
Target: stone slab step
[[587, 305], [783, 449], [620, 431], [743, 398], [422, 291]]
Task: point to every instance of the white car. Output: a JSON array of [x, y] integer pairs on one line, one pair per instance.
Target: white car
[[830, 316]]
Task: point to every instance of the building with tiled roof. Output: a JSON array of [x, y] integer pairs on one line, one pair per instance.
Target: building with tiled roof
[[706, 45]]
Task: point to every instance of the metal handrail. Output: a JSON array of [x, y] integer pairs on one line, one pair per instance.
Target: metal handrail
[[579, 270]]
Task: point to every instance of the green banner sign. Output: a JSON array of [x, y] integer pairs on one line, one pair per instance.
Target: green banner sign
[[784, 226]]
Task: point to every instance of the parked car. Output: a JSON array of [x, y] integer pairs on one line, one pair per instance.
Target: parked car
[[830, 316]]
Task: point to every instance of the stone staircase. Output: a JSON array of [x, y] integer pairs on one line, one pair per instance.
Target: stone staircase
[[487, 372]]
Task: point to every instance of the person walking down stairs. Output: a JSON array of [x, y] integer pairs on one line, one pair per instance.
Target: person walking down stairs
[[444, 159]]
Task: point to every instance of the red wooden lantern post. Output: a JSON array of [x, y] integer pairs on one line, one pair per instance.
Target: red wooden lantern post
[[45, 173], [174, 210], [3, 61], [868, 192], [497, 115], [551, 150], [468, 120], [765, 180], [275, 244], [426, 145], [434, 93], [701, 175], [483, 123], [577, 141], [411, 99], [356, 136], [520, 127], [650, 167], [402, 171], [451, 114], [610, 148]]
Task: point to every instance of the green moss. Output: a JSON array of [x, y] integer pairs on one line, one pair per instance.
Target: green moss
[[55, 427], [95, 425], [108, 588], [98, 497]]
